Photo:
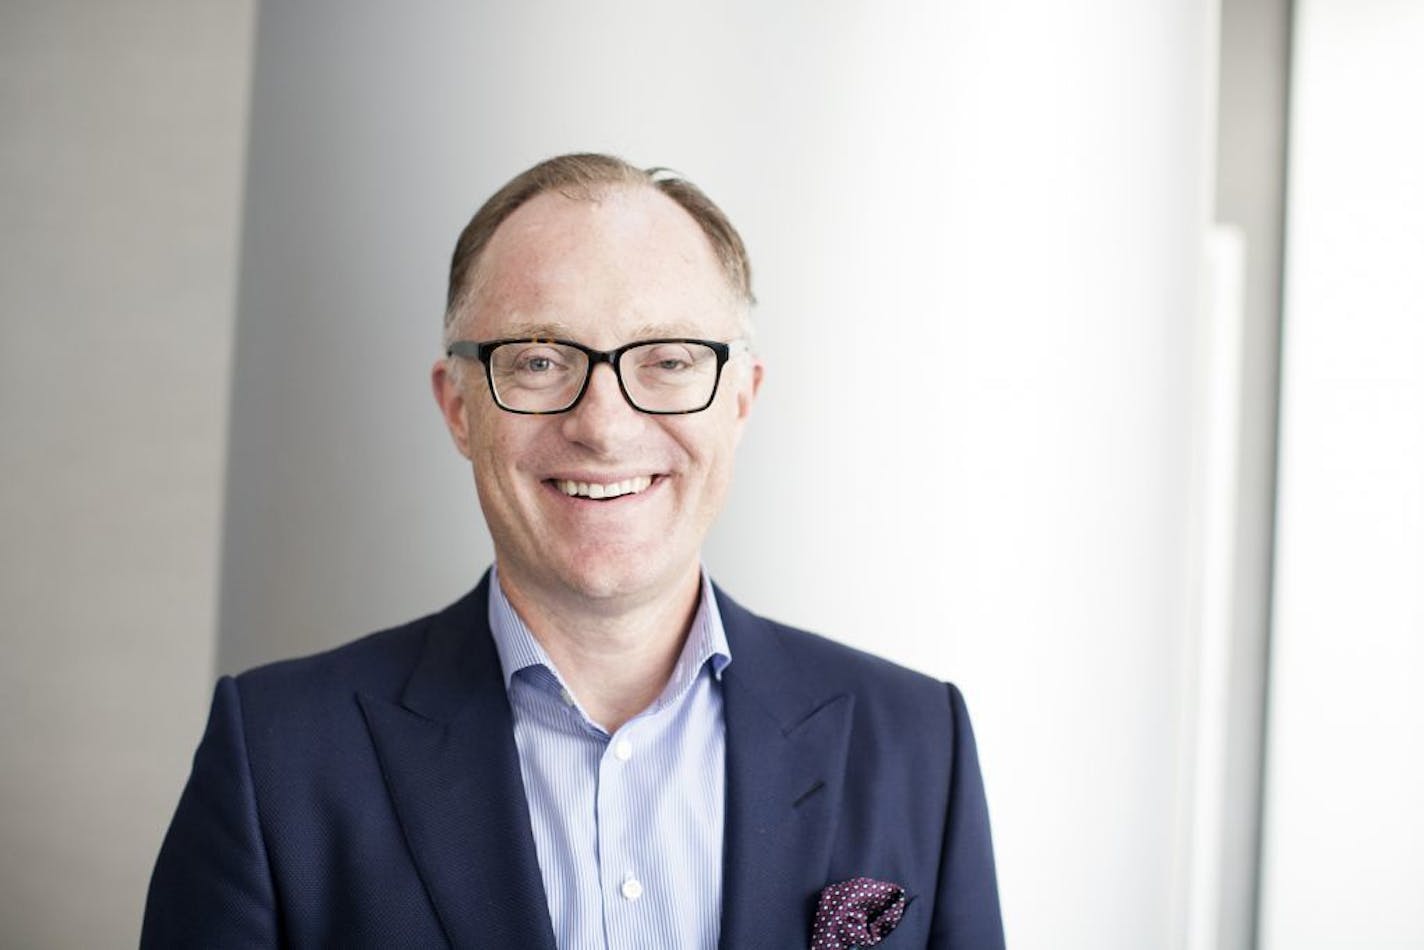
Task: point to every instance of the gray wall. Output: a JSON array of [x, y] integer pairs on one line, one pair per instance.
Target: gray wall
[[1015, 215], [1252, 89], [121, 146]]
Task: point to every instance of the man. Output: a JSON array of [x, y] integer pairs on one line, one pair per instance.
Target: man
[[596, 747]]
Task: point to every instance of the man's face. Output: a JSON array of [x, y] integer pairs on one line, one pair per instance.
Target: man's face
[[632, 265]]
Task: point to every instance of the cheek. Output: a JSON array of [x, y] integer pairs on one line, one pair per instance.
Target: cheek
[[495, 445], [710, 445]]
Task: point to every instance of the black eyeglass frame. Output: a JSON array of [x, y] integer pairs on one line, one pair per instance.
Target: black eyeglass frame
[[481, 350]]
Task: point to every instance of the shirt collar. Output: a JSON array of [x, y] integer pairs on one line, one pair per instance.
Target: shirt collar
[[706, 643]]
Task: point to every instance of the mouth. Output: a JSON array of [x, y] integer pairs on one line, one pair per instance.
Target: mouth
[[603, 491]]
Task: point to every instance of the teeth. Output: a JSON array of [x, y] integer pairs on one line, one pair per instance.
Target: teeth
[[629, 486]]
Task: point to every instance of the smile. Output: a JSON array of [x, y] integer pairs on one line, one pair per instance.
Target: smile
[[599, 491]]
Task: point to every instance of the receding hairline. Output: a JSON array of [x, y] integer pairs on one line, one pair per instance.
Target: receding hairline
[[592, 177], [489, 269]]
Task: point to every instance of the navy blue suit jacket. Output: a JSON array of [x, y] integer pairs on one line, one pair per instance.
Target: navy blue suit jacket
[[371, 797]]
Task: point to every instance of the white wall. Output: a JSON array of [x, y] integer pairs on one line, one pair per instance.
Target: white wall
[[121, 144], [1007, 199], [1343, 864]]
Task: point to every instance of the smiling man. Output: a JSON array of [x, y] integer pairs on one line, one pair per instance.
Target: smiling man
[[596, 747]]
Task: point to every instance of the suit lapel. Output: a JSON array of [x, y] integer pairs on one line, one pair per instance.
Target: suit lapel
[[448, 755], [786, 757]]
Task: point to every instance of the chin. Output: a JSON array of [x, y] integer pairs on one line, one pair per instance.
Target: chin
[[610, 574]]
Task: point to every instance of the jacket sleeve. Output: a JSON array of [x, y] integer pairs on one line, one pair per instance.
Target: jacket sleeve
[[966, 913], [212, 886]]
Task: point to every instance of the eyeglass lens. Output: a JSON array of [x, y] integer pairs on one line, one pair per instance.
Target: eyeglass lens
[[657, 377]]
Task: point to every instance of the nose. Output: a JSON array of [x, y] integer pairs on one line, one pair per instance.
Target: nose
[[603, 420]]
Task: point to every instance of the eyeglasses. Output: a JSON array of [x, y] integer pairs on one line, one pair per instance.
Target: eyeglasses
[[541, 377]]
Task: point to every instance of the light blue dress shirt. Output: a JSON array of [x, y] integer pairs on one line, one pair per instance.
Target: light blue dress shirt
[[628, 826]]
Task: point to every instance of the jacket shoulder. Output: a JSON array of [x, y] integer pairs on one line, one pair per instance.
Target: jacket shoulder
[[872, 679], [377, 663], [886, 692]]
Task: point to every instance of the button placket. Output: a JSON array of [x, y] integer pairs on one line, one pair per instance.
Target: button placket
[[625, 886], [619, 879]]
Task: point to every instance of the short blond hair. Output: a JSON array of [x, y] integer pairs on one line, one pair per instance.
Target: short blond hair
[[583, 177]]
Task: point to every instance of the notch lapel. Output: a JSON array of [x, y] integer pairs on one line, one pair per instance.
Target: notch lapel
[[452, 769], [786, 758]]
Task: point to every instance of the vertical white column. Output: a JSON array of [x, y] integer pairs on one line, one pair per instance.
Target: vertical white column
[[1208, 663]]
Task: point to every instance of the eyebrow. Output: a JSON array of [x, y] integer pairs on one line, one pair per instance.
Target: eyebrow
[[542, 331], [648, 331]]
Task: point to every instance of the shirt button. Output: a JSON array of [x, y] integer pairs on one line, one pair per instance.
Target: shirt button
[[567, 697], [623, 749], [631, 889]]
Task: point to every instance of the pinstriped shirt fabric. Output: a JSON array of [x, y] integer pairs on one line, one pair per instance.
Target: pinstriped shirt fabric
[[628, 826]]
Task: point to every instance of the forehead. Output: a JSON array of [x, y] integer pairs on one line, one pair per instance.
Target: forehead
[[630, 262]]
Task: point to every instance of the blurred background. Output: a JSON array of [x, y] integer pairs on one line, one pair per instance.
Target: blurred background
[[1153, 495]]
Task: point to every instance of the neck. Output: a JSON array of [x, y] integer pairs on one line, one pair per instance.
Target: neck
[[614, 657]]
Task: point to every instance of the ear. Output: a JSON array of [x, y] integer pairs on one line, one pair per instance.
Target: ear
[[450, 396], [748, 389]]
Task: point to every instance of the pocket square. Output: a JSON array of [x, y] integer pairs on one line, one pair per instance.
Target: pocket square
[[860, 912]]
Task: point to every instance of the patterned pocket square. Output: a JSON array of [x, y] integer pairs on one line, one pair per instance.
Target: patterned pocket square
[[860, 912]]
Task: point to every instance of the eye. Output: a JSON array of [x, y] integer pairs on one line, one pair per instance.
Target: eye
[[536, 360], [535, 364], [667, 359]]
